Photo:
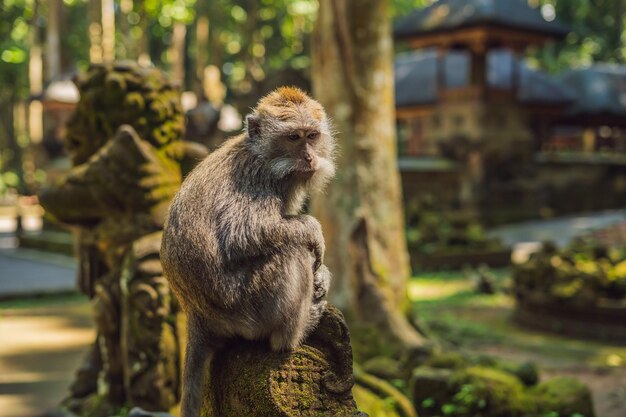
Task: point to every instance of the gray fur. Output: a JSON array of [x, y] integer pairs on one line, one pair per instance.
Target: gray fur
[[239, 257]]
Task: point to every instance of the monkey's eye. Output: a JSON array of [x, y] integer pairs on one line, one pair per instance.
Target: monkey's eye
[[313, 135], [294, 136]]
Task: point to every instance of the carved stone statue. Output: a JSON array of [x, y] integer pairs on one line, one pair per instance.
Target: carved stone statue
[[247, 379], [124, 141]]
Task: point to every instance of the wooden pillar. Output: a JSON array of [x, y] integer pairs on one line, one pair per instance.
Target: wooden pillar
[[478, 68], [441, 70]]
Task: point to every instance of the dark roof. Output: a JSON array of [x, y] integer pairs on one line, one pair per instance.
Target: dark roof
[[445, 15], [600, 90], [416, 74]]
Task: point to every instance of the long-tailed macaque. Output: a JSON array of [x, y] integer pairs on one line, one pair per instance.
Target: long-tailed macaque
[[241, 259]]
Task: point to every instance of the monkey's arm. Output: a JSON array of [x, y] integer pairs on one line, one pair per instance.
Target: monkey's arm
[[259, 228], [297, 230]]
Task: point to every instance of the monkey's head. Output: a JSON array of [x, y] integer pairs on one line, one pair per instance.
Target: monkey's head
[[290, 131]]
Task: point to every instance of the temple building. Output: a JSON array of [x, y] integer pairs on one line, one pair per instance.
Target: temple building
[[475, 122]]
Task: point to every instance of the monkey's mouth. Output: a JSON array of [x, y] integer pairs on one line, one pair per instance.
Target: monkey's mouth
[[306, 169]]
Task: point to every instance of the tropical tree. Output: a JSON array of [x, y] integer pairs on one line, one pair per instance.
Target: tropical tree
[[598, 30], [362, 214]]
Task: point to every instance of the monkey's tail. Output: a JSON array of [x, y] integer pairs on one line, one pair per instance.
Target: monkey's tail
[[200, 347]]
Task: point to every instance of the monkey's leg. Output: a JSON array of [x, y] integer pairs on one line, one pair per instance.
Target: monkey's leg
[[294, 329], [196, 355], [295, 307]]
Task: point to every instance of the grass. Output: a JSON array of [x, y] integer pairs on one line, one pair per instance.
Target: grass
[[453, 312], [44, 300]]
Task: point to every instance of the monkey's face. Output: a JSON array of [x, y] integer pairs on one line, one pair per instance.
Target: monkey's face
[[301, 150], [295, 139]]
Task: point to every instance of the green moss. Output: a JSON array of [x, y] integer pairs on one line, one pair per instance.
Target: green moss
[[387, 392], [582, 274], [249, 380], [527, 372], [469, 392], [373, 405], [482, 391], [112, 95], [501, 393], [564, 396]]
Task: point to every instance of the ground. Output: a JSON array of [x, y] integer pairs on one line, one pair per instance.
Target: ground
[[455, 313], [47, 336], [43, 341]]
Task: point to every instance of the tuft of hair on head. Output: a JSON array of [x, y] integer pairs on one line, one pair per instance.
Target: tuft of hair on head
[[284, 96]]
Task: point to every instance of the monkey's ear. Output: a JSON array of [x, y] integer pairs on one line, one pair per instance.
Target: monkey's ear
[[253, 126]]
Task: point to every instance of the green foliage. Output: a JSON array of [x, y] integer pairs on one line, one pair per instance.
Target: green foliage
[[252, 40], [8, 180], [404, 7], [17, 17], [432, 228], [584, 274], [597, 33]]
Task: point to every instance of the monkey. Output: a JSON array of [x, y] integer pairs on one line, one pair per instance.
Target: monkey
[[240, 257]]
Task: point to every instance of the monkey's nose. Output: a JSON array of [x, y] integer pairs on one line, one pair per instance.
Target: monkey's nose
[[308, 157]]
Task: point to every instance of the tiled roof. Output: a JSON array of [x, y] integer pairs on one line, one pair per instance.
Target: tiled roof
[[600, 90], [416, 75]]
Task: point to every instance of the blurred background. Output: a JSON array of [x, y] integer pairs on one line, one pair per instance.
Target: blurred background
[[509, 151]]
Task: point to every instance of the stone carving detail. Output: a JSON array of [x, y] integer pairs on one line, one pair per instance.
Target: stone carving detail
[[247, 379], [124, 141]]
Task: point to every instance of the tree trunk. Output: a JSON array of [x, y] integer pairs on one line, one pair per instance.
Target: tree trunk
[[177, 54], [128, 50], [142, 44], [95, 31], [202, 53], [35, 82], [108, 30], [53, 40], [362, 213]]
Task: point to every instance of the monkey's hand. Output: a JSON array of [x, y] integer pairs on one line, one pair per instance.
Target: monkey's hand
[[321, 283], [316, 240]]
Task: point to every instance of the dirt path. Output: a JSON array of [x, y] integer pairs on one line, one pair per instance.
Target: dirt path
[[40, 348]]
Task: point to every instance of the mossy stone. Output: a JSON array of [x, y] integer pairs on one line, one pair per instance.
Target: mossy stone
[[565, 396], [503, 394], [527, 372], [430, 386]]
